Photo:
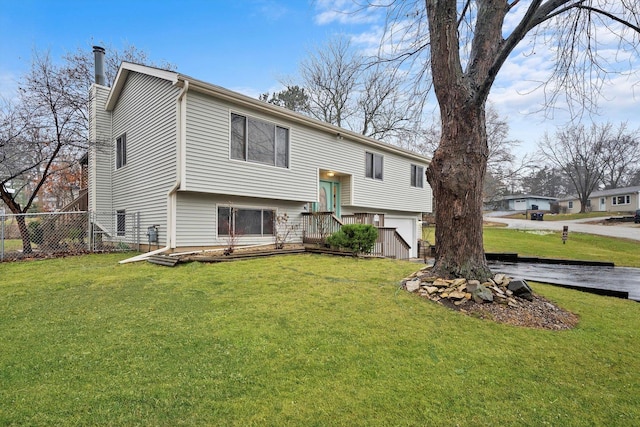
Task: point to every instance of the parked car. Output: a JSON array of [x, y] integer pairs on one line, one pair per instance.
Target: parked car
[[636, 219]]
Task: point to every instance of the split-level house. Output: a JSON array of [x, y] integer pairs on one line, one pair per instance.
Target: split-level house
[[202, 164]]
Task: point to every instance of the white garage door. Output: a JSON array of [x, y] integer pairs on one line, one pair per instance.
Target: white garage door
[[406, 227], [520, 205]]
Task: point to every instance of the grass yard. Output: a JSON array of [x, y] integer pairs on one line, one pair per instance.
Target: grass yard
[[548, 244], [11, 245], [569, 217], [295, 340]]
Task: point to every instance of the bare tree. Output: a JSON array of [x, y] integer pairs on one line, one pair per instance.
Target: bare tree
[[44, 132], [52, 125], [581, 153], [80, 63], [463, 46], [623, 155], [346, 89]]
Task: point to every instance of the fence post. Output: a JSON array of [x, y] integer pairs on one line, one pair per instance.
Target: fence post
[[89, 233], [138, 230]]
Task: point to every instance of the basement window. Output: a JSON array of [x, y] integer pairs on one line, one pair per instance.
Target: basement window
[[245, 221], [121, 223]]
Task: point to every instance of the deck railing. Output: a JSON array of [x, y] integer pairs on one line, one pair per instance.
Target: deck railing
[[390, 244], [317, 226]]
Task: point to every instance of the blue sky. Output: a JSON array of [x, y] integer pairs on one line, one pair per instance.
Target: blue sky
[[249, 45]]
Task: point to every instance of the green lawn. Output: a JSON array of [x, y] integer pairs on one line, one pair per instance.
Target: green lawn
[[569, 217], [295, 340], [548, 244]]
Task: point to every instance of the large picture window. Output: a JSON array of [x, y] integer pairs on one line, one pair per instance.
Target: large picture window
[[417, 176], [257, 141], [621, 200], [245, 221], [373, 167], [121, 151]]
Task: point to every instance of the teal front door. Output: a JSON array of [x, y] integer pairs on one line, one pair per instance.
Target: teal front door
[[329, 197]]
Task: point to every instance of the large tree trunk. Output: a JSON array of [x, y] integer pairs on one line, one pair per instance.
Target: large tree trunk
[[456, 175]]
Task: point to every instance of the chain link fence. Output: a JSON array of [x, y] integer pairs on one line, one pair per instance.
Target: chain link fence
[[43, 235]]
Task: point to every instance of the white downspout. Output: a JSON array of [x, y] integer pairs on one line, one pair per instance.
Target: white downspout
[[181, 136]]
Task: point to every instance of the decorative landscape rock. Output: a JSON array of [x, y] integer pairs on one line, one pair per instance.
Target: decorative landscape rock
[[521, 289], [482, 294], [500, 289], [412, 285], [507, 306]]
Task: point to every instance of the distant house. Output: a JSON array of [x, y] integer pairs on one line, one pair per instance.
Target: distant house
[[616, 200], [205, 164], [521, 202]]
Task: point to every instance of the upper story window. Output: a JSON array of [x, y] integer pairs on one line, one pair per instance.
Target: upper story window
[[417, 176], [373, 165], [621, 200], [257, 141], [121, 151]]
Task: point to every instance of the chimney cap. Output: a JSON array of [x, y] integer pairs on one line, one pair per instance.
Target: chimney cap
[[98, 49]]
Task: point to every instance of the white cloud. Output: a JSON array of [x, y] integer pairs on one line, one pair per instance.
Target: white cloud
[[345, 12]]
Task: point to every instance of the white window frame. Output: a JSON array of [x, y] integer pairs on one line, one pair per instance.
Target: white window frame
[[570, 205], [246, 208], [121, 151], [278, 144], [417, 176], [121, 219], [370, 170], [626, 200]]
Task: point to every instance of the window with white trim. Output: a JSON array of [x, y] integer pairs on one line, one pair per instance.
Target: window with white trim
[[570, 205], [621, 200], [258, 141], [245, 221], [121, 151], [417, 176], [373, 165]]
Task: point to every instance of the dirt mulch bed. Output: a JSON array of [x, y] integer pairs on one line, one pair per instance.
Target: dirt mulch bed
[[539, 313]]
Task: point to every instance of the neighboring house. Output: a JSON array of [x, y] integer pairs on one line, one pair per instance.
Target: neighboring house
[[521, 202], [616, 200], [206, 164]]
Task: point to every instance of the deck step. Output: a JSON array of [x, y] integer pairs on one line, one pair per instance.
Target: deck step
[[163, 260]]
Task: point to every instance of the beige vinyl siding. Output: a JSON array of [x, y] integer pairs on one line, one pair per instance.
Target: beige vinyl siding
[[100, 152], [197, 218], [210, 169], [146, 112]]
